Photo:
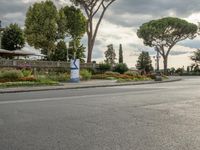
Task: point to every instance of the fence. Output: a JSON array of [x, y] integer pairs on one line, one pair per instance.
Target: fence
[[43, 64]]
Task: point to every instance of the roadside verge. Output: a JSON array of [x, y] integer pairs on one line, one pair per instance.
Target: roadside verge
[[83, 84]]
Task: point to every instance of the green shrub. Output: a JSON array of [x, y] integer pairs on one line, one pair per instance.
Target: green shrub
[[121, 68], [11, 75], [152, 76], [85, 74], [103, 67], [26, 72], [132, 73]]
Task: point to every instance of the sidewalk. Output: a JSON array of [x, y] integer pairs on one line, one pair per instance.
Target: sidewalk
[[83, 84]]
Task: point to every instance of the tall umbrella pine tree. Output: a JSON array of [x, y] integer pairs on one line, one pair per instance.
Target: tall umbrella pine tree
[[168, 31], [97, 9]]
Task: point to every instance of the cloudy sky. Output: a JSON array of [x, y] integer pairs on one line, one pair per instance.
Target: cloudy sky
[[120, 24]]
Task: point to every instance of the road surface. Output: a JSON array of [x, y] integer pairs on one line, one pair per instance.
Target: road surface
[[140, 117]]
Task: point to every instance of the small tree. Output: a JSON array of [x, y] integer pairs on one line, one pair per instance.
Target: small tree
[[103, 67], [13, 38], [120, 54], [97, 9], [110, 55], [144, 62], [165, 33]]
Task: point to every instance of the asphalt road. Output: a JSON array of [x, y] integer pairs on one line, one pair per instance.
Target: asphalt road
[[140, 117]]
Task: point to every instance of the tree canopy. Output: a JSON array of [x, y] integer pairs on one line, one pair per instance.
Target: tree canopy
[[41, 26], [13, 38], [165, 33], [45, 26], [74, 21]]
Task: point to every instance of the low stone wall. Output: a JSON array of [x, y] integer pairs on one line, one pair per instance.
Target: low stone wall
[[42, 64]]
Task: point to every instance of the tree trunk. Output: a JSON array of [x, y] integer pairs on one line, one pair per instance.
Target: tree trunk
[[90, 46], [89, 57], [165, 61]]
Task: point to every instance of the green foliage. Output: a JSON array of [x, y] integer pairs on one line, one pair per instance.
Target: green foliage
[[120, 54], [144, 62], [165, 33], [60, 77], [196, 57], [85, 74], [132, 73], [76, 50], [103, 67], [74, 21], [26, 72], [27, 83], [172, 70], [121, 68], [179, 70], [13, 38], [110, 55], [11, 75], [44, 25], [195, 67], [169, 29], [60, 53], [41, 26]]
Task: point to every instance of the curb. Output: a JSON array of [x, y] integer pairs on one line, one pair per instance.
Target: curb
[[89, 86]]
